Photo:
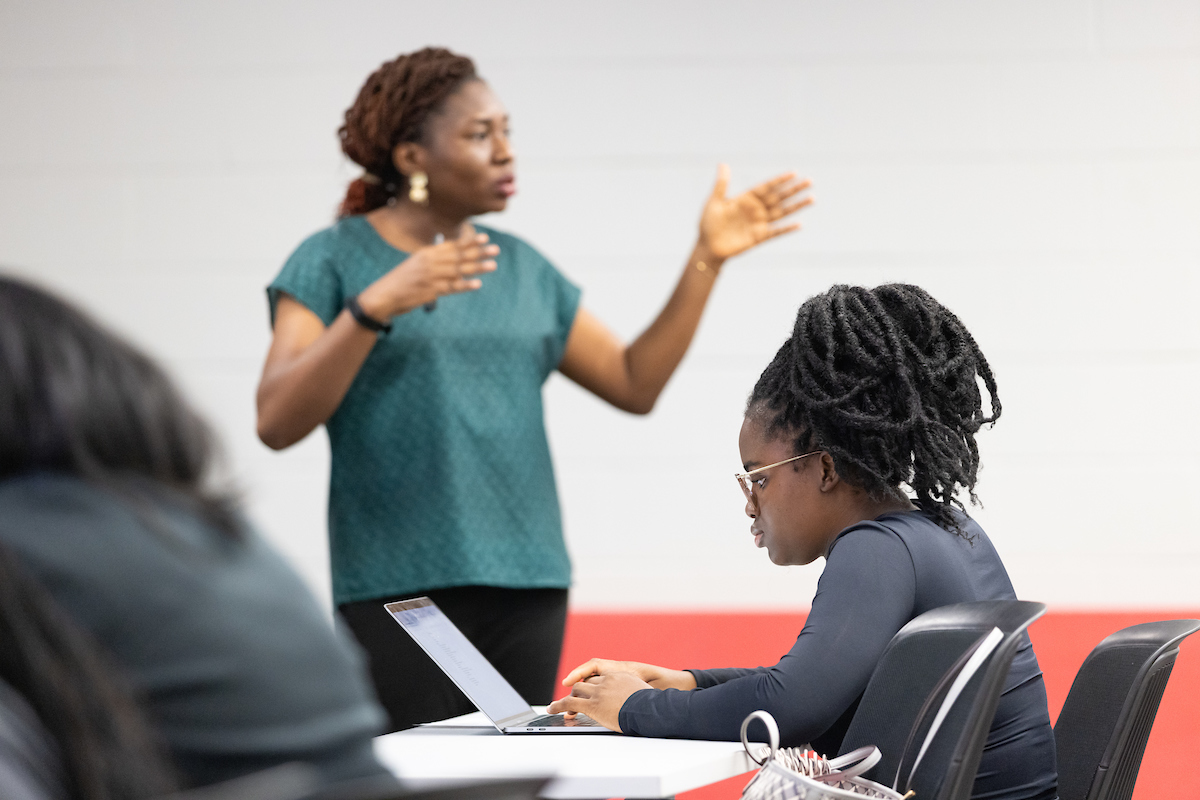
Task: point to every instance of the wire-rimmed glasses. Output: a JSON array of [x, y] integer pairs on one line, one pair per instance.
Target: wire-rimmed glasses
[[743, 478]]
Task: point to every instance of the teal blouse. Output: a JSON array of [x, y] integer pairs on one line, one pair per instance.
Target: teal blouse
[[441, 471]]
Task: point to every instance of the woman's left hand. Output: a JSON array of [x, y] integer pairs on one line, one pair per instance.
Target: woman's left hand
[[732, 225], [600, 697]]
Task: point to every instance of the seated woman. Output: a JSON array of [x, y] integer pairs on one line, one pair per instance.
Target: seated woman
[[875, 391], [104, 501]]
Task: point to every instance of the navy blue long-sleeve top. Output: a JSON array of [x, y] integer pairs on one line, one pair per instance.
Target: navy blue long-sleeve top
[[879, 575]]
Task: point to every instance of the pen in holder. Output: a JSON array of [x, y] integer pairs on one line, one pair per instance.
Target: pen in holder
[[437, 239]]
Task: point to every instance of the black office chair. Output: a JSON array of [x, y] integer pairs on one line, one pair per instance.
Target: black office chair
[[914, 676], [1102, 731]]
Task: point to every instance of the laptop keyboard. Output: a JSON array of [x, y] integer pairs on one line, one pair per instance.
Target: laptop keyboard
[[559, 721]]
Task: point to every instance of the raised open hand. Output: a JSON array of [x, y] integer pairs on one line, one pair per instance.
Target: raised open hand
[[732, 225], [439, 269]]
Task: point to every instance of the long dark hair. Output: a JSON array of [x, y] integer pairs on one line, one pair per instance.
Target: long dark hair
[[392, 107], [885, 381], [78, 399], [109, 751]]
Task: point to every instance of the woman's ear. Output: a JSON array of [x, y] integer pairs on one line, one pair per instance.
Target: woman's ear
[[829, 474], [408, 158]]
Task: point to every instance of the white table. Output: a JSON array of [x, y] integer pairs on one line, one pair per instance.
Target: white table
[[468, 749]]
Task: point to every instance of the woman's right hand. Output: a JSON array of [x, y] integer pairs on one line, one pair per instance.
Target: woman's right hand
[[657, 677], [429, 273]]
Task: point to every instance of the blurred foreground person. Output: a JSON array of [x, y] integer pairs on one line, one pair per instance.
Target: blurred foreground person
[[104, 499], [68, 728]]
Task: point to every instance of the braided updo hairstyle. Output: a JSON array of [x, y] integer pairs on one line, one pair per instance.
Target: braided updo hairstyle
[[392, 107], [884, 380]]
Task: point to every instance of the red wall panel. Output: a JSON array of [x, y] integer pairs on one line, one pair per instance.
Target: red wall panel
[[1170, 769]]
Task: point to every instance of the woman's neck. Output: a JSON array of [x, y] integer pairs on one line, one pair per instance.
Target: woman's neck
[[892, 505], [858, 506], [408, 226]]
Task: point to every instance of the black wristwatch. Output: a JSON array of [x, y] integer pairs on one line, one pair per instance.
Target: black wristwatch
[[362, 318]]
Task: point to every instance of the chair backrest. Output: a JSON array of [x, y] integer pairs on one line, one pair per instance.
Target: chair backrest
[[1102, 731], [913, 675]]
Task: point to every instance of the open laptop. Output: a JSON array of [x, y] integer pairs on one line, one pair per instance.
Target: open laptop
[[475, 676]]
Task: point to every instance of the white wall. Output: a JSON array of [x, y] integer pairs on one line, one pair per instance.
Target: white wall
[[1033, 164]]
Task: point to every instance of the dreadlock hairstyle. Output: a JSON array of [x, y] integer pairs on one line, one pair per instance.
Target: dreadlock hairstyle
[[392, 107], [885, 381]]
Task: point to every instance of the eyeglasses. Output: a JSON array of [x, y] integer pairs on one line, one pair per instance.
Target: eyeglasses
[[743, 478]]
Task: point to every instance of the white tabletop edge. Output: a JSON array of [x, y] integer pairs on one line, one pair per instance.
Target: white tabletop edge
[[468, 749]]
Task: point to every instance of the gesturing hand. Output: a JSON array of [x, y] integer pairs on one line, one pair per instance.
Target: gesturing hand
[[729, 226], [429, 273]]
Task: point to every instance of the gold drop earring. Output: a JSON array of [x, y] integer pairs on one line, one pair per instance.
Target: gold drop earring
[[417, 188]]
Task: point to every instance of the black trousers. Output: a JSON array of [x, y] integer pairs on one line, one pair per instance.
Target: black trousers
[[519, 630]]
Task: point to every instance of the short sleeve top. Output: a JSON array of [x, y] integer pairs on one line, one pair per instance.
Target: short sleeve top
[[441, 471]]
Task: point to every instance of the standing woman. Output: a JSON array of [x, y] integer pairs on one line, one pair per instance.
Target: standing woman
[[425, 360]]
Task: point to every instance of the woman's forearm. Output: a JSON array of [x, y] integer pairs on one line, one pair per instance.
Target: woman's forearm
[[303, 385], [651, 359], [310, 367], [728, 226], [631, 377]]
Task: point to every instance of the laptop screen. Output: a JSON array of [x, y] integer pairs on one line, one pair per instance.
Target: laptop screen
[[458, 658]]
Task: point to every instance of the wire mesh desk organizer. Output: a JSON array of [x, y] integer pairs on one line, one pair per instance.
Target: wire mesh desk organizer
[[799, 773]]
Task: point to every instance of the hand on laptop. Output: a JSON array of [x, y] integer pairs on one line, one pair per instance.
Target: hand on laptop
[[656, 677], [600, 687], [600, 697]]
